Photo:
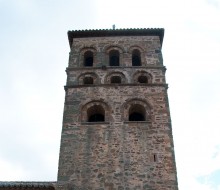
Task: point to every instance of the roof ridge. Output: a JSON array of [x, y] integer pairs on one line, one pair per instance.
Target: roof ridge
[[109, 29]]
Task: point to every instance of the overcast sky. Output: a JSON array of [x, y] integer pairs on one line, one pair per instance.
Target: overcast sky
[[34, 53]]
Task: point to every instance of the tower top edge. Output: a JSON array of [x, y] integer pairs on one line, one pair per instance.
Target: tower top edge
[[115, 32]]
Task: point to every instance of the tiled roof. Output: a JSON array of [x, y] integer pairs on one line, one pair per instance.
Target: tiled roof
[[27, 185], [116, 32]]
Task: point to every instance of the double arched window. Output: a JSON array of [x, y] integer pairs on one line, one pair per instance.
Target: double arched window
[[133, 110], [96, 113]]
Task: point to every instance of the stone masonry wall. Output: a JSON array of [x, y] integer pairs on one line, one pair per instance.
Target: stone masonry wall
[[117, 154], [148, 45]]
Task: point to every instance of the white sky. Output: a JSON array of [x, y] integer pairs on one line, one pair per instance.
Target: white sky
[[34, 54]]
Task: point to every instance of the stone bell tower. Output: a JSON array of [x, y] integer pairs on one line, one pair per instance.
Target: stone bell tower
[[116, 131]]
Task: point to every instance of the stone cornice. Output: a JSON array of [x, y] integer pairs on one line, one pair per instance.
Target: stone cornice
[[116, 32], [118, 67], [114, 85]]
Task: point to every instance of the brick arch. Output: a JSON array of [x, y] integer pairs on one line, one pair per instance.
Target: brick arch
[[82, 76], [107, 79], [119, 48], [82, 54], [135, 47], [84, 49], [90, 104], [133, 102], [141, 73]]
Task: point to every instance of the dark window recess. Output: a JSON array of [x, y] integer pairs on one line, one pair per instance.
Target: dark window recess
[[88, 59], [96, 118], [114, 58], [155, 158], [136, 61], [136, 117], [137, 113], [142, 79], [88, 80], [136, 58], [115, 80], [96, 113]]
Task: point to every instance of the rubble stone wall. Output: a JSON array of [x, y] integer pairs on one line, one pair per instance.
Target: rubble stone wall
[[117, 153]]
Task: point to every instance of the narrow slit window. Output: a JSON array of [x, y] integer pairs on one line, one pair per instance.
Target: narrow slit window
[[155, 158]]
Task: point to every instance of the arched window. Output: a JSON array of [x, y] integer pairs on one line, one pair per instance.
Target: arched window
[[115, 80], [143, 79], [136, 58], [137, 113], [88, 59], [96, 113], [115, 77], [88, 80], [114, 58]]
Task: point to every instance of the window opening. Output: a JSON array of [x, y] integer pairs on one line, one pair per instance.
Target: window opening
[[135, 116], [114, 58], [137, 113], [136, 58], [96, 113], [155, 158], [88, 80], [88, 59], [115, 80], [142, 79]]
